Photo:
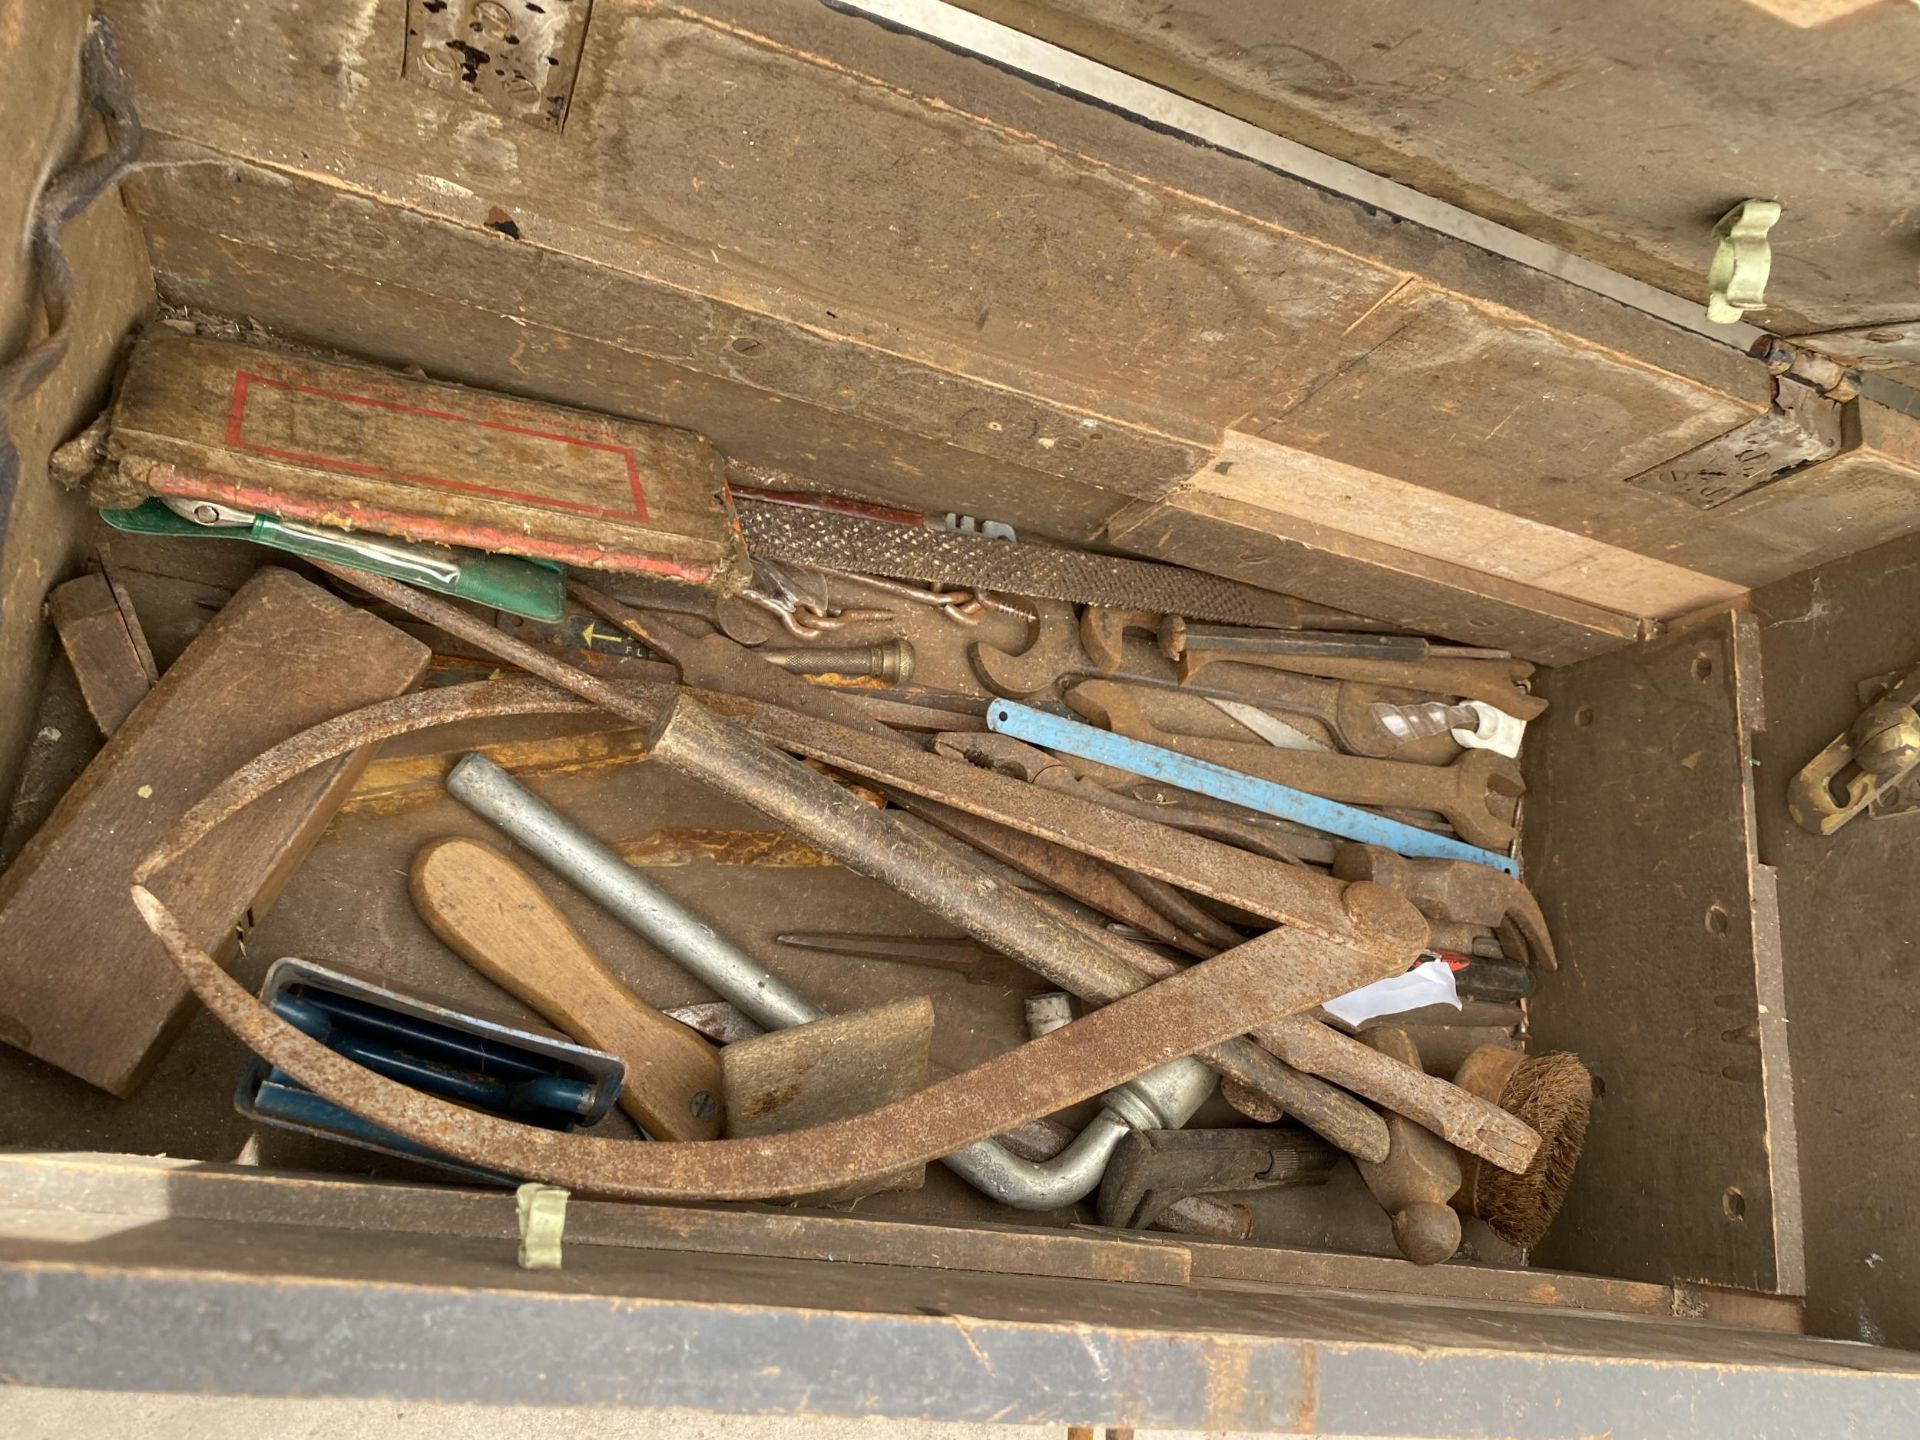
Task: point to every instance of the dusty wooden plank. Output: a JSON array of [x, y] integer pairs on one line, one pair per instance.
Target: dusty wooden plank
[[135, 1185], [1297, 485], [1849, 925], [1639, 845], [1487, 85], [99, 630], [1229, 1264], [85, 985], [1318, 561], [47, 125], [1860, 498], [292, 435]]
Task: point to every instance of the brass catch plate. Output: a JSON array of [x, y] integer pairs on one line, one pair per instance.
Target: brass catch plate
[[1802, 428], [519, 58]]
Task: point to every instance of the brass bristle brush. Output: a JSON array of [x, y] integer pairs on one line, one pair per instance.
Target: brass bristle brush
[[1554, 1095]]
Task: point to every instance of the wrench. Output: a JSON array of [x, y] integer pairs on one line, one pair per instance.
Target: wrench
[[1054, 652], [1103, 630], [1493, 681], [1345, 707], [1461, 791]]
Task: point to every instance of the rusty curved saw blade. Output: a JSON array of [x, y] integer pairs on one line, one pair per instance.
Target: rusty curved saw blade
[[1268, 978]]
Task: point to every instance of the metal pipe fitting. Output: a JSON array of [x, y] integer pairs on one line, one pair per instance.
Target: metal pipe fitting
[[1070, 1176], [1162, 1099], [682, 935]]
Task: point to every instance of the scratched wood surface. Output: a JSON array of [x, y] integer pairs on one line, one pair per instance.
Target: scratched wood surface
[[85, 986]]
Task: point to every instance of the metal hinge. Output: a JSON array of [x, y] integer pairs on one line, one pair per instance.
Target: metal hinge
[[1813, 418]]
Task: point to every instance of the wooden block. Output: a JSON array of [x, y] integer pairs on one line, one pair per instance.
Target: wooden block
[[841, 1066], [353, 445], [83, 984], [102, 637]]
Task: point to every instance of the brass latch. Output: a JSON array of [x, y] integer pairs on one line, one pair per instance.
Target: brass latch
[[1879, 750], [1813, 418]]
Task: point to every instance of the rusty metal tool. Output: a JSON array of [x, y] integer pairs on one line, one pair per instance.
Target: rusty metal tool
[[712, 661], [1178, 637], [1462, 792], [1345, 707], [1015, 758], [1420, 1175], [1200, 931], [1494, 681], [1154, 1170], [874, 544], [1053, 654], [692, 740], [1058, 867], [1103, 632], [890, 661], [1337, 1117], [709, 660], [1369, 925], [1166, 1096], [1278, 973], [1295, 896], [1879, 750], [1460, 893], [811, 806], [958, 955], [495, 917], [1465, 1120], [1553, 1093]]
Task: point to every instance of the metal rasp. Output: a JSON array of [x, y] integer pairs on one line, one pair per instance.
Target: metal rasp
[[842, 541]]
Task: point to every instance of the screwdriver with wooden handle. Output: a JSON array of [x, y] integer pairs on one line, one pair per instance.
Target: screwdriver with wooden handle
[[495, 917]]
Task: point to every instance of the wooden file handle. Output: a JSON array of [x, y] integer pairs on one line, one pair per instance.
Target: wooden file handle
[[493, 914]]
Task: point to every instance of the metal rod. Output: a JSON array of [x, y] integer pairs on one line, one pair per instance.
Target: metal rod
[[636, 901]]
